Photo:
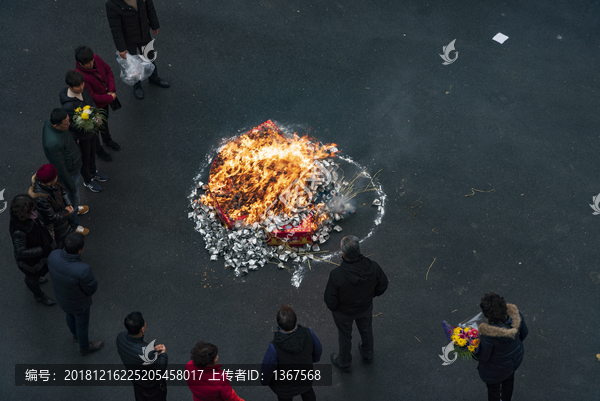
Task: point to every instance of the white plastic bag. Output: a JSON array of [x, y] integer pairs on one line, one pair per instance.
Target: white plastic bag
[[134, 68]]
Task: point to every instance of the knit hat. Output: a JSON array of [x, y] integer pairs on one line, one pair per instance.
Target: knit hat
[[46, 173]]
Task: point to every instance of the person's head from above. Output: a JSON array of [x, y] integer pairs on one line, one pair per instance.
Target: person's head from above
[[47, 175], [493, 307], [85, 57], [74, 243], [350, 246], [22, 207], [59, 119], [205, 354], [75, 81], [286, 318], [135, 324]]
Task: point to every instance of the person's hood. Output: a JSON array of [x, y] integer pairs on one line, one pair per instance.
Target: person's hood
[[21, 225], [357, 271], [293, 342], [508, 329]]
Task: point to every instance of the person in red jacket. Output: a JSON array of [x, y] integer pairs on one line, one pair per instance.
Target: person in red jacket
[[100, 82], [205, 378]]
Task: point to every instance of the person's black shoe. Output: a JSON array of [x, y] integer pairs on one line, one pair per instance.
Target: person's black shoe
[[367, 360], [112, 144], [94, 346], [335, 361], [42, 280], [45, 300], [101, 153], [138, 91], [159, 82]]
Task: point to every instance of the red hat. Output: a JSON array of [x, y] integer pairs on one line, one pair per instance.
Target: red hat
[[46, 173]]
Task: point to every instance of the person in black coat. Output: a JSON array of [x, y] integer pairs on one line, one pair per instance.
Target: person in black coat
[[74, 284], [53, 203], [76, 95], [132, 347], [32, 244], [293, 347], [130, 22], [349, 296], [501, 346]]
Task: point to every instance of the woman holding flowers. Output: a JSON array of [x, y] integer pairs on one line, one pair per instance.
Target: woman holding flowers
[[500, 349]]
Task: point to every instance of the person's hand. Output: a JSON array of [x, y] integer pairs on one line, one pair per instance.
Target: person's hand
[[70, 209], [123, 54], [160, 348], [155, 31], [114, 96]]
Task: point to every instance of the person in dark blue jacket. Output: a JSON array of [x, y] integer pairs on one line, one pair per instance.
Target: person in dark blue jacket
[[293, 347], [501, 347], [74, 284], [137, 354]]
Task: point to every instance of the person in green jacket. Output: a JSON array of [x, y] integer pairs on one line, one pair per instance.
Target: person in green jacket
[[63, 153]]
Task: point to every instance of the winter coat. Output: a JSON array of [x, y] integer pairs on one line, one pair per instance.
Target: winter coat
[[51, 203], [130, 348], [289, 351], [70, 104], [353, 285], [501, 348], [63, 153], [130, 28], [204, 389], [32, 243], [99, 80], [73, 281]]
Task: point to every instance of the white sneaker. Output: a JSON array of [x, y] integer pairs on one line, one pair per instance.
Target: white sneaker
[[82, 230]]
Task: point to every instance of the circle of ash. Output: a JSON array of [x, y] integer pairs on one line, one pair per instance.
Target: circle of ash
[[300, 267]]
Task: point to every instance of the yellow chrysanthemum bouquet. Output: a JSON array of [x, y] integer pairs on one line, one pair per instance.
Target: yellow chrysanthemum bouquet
[[89, 118], [465, 336]]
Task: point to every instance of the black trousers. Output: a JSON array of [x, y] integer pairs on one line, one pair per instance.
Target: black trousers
[[364, 323], [32, 280], [155, 393], [105, 131], [306, 396], [88, 158], [501, 391]]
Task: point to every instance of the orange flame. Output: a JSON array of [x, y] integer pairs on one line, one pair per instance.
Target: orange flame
[[250, 173]]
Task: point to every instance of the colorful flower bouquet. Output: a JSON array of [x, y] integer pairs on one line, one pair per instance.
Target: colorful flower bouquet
[[465, 336], [89, 118]]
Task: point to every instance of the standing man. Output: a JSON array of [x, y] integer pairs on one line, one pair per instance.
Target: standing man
[[63, 153], [74, 284], [293, 347], [100, 83], [130, 23], [349, 296], [74, 96], [132, 347]]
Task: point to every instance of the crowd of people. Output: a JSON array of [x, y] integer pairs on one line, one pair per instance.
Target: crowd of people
[[48, 239]]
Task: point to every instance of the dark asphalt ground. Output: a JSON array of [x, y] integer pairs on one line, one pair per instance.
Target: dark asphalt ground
[[518, 118]]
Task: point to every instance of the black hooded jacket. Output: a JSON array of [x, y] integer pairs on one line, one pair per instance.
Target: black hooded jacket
[[32, 243], [132, 348], [131, 28], [294, 351], [353, 285], [501, 348]]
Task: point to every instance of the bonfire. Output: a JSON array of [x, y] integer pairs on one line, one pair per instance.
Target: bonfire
[[270, 196]]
